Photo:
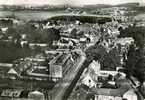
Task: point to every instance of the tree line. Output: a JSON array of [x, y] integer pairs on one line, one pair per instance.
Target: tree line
[[135, 63]]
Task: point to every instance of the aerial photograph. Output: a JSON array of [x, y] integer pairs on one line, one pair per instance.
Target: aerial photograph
[[72, 49]]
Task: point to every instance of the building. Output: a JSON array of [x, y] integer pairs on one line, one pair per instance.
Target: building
[[124, 41], [23, 43], [112, 94], [93, 76], [4, 29], [11, 93], [60, 65], [130, 95], [83, 40], [65, 43], [13, 74], [42, 45], [62, 44], [94, 69], [88, 81], [36, 95], [39, 73], [4, 69], [90, 75]]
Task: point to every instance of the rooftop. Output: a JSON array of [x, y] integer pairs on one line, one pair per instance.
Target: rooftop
[[60, 59], [6, 65], [110, 92]]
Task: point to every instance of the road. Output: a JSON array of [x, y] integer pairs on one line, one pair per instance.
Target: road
[[60, 89], [65, 86]]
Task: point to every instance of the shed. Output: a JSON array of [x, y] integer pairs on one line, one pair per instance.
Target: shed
[[36, 95]]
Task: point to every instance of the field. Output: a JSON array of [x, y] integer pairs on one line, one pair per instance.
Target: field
[[39, 15]]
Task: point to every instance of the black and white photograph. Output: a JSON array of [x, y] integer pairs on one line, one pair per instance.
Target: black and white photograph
[[72, 49]]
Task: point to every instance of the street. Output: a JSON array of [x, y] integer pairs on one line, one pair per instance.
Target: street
[[59, 90]]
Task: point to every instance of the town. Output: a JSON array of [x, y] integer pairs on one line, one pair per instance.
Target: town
[[84, 55]]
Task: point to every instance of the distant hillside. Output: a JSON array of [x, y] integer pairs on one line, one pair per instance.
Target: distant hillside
[[106, 6], [82, 19], [94, 6], [128, 5], [97, 6], [63, 7]]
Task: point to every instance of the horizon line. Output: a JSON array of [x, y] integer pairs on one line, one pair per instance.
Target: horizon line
[[67, 4]]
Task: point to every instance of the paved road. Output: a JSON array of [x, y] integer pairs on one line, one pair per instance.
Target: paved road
[[59, 90]]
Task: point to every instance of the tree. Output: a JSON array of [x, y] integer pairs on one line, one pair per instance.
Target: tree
[[37, 50], [135, 63], [111, 60], [10, 51], [131, 61], [51, 34], [95, 52], [73, 33], [11, 31], [138, 33], [140, 69]]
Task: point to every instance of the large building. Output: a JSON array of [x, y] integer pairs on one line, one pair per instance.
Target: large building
[[60, 65]]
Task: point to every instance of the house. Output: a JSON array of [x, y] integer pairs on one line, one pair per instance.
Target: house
[[112, 94], [70, 39], [51, 52], [12, 73], [83, 40], [130, 95], [55, 43], [23, 43], [6, 64], [124, 41], [88, 81], [120, 68], [65, 43], [4, 29], [94, 69], [90, 75], [39, 73], [23, 36], [123, 26], [105, 74], [60, 44], [36, 95], [17, 22], [95, 66], [43, 45], [34, 59], [4, 69]]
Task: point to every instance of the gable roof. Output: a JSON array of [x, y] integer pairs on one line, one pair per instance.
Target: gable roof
[[12, 71], [130, 92], [110, 92], [37, 92]]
